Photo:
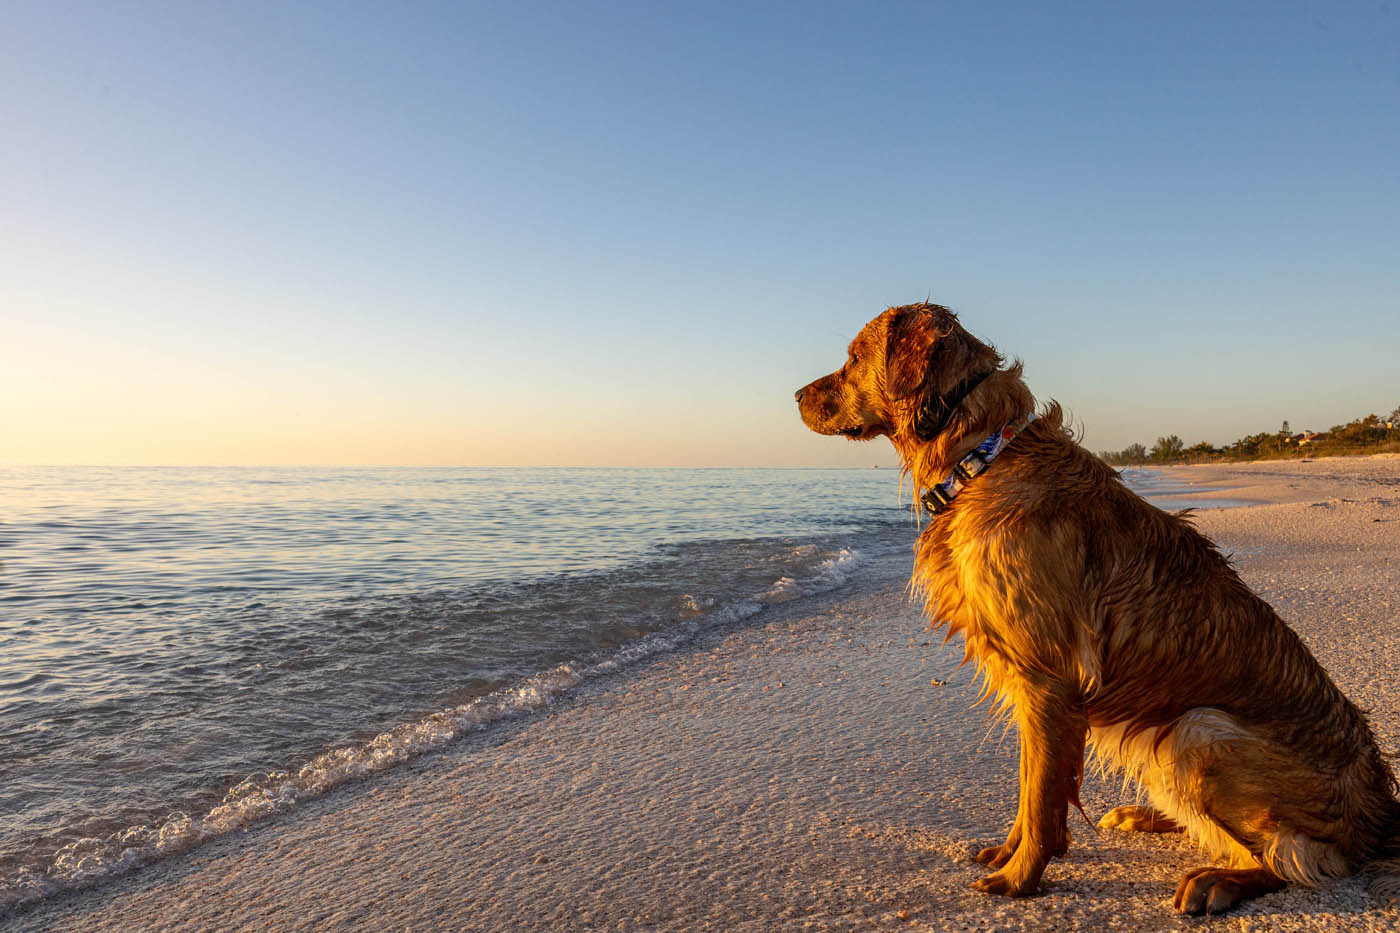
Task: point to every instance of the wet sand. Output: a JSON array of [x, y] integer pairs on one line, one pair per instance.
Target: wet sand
[[818, 768]]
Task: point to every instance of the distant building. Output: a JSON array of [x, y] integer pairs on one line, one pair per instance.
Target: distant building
[[1311, 437]]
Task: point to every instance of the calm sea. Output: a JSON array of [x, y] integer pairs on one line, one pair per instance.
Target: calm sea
[[184, 651]]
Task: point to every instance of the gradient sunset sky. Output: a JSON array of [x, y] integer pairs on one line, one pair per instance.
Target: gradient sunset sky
[[624, 233]]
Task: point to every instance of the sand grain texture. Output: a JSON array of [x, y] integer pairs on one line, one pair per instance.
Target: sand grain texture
[[800, 772]]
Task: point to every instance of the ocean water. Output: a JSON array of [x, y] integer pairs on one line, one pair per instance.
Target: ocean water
[[186, 651]]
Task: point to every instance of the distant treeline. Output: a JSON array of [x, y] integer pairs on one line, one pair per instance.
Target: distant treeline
[[1369, 435]]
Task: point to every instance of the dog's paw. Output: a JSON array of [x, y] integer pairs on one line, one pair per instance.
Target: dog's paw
[[1007, 884], [996, 856], [1138, 820], [1216, 890], [1204, 892]]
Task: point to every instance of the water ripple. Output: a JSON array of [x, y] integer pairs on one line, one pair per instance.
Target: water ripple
[[184, 650]]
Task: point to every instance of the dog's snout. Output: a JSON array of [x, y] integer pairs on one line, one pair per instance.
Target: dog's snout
[[798, 394]]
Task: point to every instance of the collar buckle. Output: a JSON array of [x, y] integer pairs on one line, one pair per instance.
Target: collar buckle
[[936, 500]]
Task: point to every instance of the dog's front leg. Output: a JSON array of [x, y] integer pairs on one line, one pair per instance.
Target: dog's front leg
[[1052, 728], [997, 856]]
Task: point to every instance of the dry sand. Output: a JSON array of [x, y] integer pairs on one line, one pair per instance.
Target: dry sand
[[800, 772]]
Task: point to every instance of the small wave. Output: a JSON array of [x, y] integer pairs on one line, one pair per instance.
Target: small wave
[[264, 794], [33, 680], [830, 573]]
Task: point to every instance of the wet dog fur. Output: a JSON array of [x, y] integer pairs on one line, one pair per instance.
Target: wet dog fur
[[1095, 617]]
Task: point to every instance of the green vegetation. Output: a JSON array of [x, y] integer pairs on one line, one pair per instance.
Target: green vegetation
[[1369, 435]]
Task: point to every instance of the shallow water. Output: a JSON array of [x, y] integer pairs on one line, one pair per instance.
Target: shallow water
[[1172, 494]]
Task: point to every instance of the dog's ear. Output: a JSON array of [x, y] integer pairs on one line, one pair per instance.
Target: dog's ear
[[914, 334]]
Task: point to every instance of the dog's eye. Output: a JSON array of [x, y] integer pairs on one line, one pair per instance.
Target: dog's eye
[[852, 360]]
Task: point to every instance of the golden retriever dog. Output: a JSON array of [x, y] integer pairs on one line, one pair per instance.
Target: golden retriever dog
[[1095, 617]]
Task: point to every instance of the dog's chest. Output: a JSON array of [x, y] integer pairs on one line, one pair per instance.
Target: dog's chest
[[982, 586]]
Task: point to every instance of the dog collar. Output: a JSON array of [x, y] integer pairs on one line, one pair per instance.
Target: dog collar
[[937, 499], [937, 410]]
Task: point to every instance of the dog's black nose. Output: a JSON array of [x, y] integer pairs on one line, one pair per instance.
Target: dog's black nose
[[798, 395]]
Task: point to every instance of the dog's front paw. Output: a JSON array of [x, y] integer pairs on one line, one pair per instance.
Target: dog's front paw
[[1008, 884], [996, 856]]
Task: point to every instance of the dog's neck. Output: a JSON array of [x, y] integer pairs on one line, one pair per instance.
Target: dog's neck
[[934, 414], [997, 399]]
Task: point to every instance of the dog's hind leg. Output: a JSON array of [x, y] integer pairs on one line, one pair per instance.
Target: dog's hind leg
[[1251, 801], [1052, 729], [1139, 819]]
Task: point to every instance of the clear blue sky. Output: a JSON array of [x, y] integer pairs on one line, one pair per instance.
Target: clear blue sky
[[625, 233]]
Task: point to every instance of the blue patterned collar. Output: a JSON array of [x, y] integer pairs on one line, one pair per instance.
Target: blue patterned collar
[[938, 498]]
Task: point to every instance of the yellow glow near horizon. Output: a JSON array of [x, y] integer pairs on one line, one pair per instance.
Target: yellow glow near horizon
[[79, 394], [86, 412]]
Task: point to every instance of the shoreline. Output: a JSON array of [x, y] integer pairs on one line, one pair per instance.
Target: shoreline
[[799, 771], [1277, 482]]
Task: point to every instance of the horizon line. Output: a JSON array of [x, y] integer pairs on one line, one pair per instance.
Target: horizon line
[[439, 466]]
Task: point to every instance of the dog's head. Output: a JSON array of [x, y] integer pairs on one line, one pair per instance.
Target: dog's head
[[900, 364]]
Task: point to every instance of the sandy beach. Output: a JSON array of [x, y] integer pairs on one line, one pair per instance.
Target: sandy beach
[[818, 767]]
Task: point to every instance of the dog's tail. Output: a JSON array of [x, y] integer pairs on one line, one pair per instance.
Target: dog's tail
[[1383, 878], [1383, 872]]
